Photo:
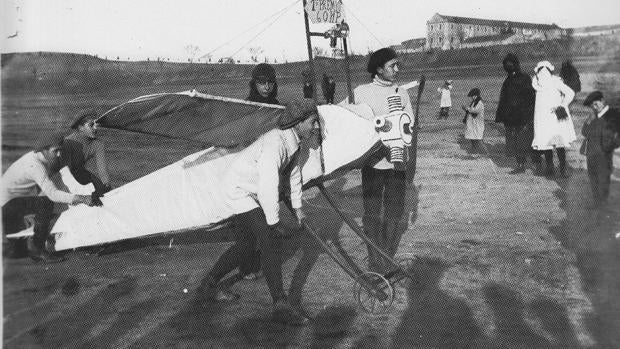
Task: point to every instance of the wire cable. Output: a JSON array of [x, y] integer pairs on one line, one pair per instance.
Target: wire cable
[[286, 8], [362, 23], [283, 12]]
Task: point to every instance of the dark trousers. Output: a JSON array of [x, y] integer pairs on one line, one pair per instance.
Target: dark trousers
[[383, 189], [561, 158], [13, 213], [599, 172], [519, 143], [252, 230]]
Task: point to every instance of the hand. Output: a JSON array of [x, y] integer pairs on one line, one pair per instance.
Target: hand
[[95, 199], [301, 216]]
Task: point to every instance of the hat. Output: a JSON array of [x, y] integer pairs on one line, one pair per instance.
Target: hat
[[379, 58], [264, 71], [474, 92], [544, 64], [83, 116], [448, 82], [49, 140], [296, 112], [592, 97]]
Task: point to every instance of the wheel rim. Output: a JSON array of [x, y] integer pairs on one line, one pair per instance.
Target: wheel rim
[[367, 300]]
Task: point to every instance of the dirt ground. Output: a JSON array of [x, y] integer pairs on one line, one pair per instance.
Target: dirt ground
[[501, 261]]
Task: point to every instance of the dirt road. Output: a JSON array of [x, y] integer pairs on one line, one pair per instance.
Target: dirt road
[[503, 261]]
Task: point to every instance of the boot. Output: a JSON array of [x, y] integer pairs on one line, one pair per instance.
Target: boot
[[214, 293], [39, 254], [285, 313]]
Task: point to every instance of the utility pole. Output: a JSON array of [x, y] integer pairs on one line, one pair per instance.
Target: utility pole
[[310, 59]]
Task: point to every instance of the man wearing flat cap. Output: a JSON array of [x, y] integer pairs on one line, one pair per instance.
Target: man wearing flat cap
[[82, 152], [252, 188], [602, 136], [383, 185], [22, 183]]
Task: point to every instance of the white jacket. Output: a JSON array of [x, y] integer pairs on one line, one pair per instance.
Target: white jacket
[[549, 132], [253, 179]]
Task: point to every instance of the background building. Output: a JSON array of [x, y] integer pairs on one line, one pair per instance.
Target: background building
[[452, 32]]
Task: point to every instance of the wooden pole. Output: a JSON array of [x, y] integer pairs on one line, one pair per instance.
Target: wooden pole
[[310, 59], [348, 71]]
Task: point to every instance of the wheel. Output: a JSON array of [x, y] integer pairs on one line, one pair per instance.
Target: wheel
[[370, 301]]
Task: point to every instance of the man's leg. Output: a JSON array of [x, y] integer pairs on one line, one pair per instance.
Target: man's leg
[[372, 192], [271, 251], [593, 176], [604, 179], [394, 205]]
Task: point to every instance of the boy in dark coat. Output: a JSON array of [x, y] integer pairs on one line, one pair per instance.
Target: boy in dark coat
[[516, 111], [601, 132]]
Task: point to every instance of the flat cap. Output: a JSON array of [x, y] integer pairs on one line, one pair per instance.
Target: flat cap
[[594, 96], [297, 111], [83, 116]]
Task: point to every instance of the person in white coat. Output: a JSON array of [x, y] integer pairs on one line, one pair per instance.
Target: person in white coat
[[474, 120], [445, 100], [553, 125], [252, 188]]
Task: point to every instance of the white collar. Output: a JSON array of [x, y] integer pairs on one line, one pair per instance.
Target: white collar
[[603, 111]]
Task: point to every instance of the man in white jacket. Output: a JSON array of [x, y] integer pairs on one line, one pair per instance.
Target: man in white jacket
[[252, 188]]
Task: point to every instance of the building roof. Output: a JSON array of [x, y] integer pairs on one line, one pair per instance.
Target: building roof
[[595, 28], [486, 38], [492, 22]]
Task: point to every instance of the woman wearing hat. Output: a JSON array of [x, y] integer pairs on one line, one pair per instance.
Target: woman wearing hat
[[553, 125], [474, 119], [263, 85]]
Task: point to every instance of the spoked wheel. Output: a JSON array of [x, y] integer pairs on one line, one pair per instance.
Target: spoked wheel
[[380, 299]]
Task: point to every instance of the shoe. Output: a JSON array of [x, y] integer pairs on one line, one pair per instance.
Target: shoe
[[38, 254], [519, 169], [285, 313], [253, 276], [213, 293], [225, 296]]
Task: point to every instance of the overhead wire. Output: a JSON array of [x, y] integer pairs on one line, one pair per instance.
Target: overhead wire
[[349, 10], [286, 8], [281, 13]]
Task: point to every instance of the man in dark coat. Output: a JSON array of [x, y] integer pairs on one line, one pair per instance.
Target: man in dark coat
[[602, 136], [329, 88], [516, 111]]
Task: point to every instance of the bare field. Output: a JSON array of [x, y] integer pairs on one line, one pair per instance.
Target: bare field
[[503, 261]]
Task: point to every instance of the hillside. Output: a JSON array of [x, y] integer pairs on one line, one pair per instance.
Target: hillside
[[76, 72]]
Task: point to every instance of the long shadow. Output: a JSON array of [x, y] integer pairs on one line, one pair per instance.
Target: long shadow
[[555, 321], [508, 309], [589, 234], [434, 319]]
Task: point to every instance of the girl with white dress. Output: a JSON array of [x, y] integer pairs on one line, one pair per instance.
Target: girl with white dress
[[474, 120], [553, 125]]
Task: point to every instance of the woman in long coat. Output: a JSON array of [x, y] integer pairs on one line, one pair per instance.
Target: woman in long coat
[[552, 129]]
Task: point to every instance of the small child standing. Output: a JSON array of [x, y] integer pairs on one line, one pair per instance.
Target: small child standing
[[474, 119], [446, 100]]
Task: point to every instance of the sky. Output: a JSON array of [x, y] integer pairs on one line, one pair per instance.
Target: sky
[[183, 29]]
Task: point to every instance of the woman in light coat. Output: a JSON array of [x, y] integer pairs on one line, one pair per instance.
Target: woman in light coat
[[550, 130]]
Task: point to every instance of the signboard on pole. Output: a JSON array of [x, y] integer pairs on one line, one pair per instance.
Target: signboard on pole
[[325, 11]]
